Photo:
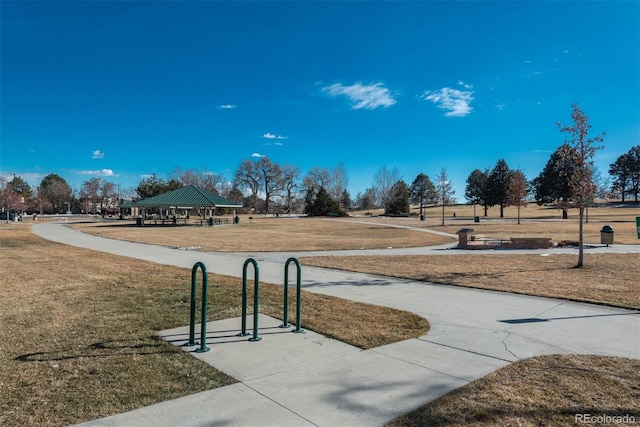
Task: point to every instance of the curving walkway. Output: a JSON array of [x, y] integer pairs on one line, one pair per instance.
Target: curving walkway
[[473, 332]]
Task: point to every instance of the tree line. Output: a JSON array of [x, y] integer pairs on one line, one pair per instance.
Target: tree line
[[263, 186]]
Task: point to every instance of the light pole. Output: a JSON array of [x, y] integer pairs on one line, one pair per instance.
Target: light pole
[[13, 185], [68, 207]]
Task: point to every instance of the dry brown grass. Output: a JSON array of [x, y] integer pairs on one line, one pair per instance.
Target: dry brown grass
[[78, 330], [302, 234], [535, 221], [609, 279], [542, 391], [268, 234]]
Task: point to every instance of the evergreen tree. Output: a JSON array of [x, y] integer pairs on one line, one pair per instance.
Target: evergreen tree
[[56, 191], [626, 173], [153, 186], [552, 185], [422, 191], [320, 204], [476, 191], [399, 202], [498, 185]]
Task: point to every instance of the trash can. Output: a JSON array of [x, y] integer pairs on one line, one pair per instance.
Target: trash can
[[236, 219], [210, 222], [606, 235], [422, 217], [476, 219], [139, 221]]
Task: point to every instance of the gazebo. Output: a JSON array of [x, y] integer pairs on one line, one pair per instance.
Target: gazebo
[[186, 198]]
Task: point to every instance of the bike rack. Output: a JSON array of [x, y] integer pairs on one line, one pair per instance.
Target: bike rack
[[256, 299], [285, 316], [192, 322]]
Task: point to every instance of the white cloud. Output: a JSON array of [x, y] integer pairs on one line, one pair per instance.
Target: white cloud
[[257, 155], [501, 106], [368, 97], [97, 154], [272, 136], [464, 85], [456, 102], [101, 172], [227, 106]]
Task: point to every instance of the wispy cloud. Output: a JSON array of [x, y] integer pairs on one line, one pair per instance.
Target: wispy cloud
[[455, 102], [257, 155], [368, 97], [465, 85], [101, 172], [272, 136], [227, 106], [97, 154]]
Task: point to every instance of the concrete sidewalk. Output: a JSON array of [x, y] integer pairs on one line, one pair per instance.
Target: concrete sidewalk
[[473, 332]]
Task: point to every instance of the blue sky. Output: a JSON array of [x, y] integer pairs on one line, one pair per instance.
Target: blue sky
[[124, 89]]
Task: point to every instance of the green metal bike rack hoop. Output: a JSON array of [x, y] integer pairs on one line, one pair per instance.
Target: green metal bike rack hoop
[[285, 316], [256, 299], [192, 318]]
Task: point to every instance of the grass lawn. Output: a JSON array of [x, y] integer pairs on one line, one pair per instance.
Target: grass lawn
[[542, 391], [80, 342], [78, 330], [605, 279], [268, 234], [303, 234]]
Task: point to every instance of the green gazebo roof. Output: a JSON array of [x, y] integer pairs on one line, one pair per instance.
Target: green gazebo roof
[[186, 197]]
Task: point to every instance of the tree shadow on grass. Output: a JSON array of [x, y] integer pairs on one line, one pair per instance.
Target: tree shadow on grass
[[112, 348]]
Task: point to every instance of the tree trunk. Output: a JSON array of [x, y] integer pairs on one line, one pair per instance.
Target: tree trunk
[[518, 213], [565, 214], [501, 210], [580, 240]]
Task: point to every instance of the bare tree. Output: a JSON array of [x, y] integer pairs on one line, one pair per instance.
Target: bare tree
[[337, 183], [248, 176], [366, 200], [289, 184], [518, 190], [107, 194], [580, 155], [89, 194], [205, 179], [9, 197], [445, 190], [316, 179], [270, 178], [383, 182]]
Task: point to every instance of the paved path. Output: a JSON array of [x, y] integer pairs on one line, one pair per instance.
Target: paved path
[[473, 332]]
